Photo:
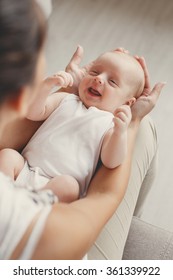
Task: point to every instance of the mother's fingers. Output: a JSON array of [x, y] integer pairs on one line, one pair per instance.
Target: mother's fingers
[[76, 58], [145, 103], [143, 64], [121, 50], [155, 93]]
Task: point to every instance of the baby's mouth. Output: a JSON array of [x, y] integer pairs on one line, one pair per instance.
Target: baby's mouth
[[94, 91]]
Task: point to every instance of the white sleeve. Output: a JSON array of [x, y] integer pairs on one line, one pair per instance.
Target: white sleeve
[[17, 210]]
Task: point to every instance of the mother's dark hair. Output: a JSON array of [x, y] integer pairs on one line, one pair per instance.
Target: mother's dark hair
[[22, 35]]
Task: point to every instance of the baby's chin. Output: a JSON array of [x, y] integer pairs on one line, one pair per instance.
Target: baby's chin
[[85, 103]]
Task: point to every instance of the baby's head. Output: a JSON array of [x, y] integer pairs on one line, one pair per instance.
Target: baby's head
[[115, 78]]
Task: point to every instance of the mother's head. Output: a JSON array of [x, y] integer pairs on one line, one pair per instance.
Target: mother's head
[[22, 36]]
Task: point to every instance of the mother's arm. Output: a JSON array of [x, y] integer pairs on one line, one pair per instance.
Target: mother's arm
[[17, 133]]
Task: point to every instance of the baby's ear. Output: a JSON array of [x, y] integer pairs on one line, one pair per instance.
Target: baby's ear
[[131, 101]]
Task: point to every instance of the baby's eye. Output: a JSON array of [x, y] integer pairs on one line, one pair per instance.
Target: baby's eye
[[113, 82], [93, 72]]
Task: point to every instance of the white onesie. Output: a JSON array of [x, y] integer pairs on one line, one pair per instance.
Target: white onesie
[[69, 141]]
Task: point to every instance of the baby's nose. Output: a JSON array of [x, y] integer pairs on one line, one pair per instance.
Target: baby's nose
[[99, 80]]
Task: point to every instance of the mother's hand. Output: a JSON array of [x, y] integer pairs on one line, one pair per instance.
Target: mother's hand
[[147, 101]]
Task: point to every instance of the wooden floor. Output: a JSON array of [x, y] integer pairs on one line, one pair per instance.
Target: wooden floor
[[144, 27]]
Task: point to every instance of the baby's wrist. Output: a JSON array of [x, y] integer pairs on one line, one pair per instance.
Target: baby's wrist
[[120, 132]]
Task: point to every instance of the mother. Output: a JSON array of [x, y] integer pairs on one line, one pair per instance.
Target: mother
[[29, 227]]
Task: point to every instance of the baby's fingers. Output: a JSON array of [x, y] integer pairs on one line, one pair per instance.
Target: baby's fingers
[[64, 79], [121, 115], [118, 122], [124, 109], [124, 114]]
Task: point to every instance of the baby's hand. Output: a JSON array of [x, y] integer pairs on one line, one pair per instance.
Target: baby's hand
[[64, 79], [61, 79], [122, 118], [75, 70]]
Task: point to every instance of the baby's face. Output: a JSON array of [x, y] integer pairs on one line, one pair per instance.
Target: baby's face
[[110, 82]]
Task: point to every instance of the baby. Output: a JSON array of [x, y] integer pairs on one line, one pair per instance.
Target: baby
[[78, 128]]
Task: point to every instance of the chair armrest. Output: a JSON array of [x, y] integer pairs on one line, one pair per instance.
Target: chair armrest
[[148, 242]]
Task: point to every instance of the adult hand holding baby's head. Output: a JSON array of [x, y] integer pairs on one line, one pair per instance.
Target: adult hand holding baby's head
[[148, 99], [146, 102]]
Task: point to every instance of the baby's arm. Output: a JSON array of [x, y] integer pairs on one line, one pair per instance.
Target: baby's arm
[[114, 145], [45, 102], [11, 163]]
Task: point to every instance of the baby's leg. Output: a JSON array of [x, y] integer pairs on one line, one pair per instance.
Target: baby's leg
[[65, 187], [11, 163]]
